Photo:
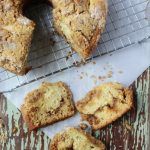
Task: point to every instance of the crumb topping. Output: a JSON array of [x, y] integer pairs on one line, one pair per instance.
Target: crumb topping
[[80, 22]]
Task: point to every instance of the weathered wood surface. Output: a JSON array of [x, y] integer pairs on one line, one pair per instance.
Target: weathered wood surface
[[130, 132], [17, 135]]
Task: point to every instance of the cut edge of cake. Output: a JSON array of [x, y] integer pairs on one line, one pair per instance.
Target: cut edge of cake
[[56, 112], [71, 135], [104, 113]]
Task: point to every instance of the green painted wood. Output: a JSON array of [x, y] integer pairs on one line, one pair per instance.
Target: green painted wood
[[17, 134], [132, 131]]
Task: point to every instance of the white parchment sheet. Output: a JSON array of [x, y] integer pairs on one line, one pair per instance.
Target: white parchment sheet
[[126, 66]]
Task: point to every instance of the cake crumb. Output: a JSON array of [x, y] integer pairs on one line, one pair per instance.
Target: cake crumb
[[110, 73], [79, 63], [94, 62], [103, 77], [83, 62], [52, 42], [69, 55], [99, 77], [81, 77], [76, 64], [120, 71], [83, 126]]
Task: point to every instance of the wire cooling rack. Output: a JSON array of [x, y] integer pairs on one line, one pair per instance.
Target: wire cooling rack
[[126, 25]]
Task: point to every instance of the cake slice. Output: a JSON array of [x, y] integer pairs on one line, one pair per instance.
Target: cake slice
[[50, 103], [104, 104], [75, 139], [80, 22], [15, 36]]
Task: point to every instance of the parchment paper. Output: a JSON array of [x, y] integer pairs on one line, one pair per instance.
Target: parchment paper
[[124, 66]]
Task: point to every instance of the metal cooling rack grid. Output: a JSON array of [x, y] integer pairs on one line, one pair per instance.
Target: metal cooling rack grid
[[126, 25]]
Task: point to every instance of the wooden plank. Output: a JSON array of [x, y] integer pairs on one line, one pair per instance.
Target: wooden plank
[[17, 135], [129, 132]]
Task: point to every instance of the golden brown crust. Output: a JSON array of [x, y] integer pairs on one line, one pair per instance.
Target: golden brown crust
[[81, 23], [76, 139], [105, 103], [48, 104], [15, 36]]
